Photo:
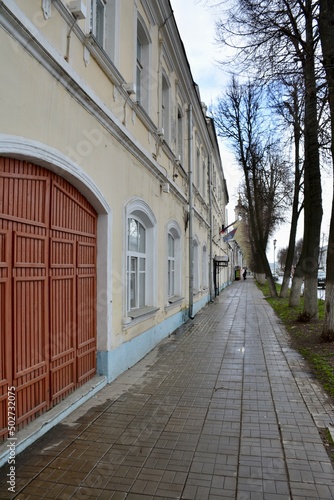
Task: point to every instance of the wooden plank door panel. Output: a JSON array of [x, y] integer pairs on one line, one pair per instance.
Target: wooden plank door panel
[[71, 212], [86, 321], [72, 217], [47, 288], [62, 317], [24, 196], [62, 336], [30, 346], [86, 311], [5, 328], [30, 324]]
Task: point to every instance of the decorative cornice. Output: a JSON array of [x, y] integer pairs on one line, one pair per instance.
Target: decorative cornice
[[21, 29], [149, 11]]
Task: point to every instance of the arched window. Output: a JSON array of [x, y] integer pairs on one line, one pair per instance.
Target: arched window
[[173, 262], [104, 26], [98, 20], [137, 264], [198, 173], [142, 64], [165, 105], [204, 181], [180, 135], [205, 276], [196, 284], [140, 262]]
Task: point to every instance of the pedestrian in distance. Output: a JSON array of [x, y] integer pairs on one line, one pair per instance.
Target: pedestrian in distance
[[245, 273]]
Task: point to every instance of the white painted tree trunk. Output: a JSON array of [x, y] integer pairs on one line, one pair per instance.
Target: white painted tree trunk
[[261, 278], [328, 328], [311, 296], [296, 286]]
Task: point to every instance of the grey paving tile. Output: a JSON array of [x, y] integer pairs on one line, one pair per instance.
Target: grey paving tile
[[223, 409]]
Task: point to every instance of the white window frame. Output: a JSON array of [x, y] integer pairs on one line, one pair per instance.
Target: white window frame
[[198, 173], [139, 69], [180, 134], [204, 180], [98, 7], [171, 265], [174, 230], [205, 268], [138, 210], [138, 273], [109, 39], [196, 276], [143, 40], [165, 105], [214, 180]]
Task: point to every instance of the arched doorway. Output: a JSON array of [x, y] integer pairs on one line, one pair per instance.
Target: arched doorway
[[47, 289]]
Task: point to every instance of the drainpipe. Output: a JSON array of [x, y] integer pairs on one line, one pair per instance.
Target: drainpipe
[[210, 232], [191, 246], [67, 55]]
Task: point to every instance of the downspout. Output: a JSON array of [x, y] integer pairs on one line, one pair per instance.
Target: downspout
[[190, 180], [210, 232], [67, 55]]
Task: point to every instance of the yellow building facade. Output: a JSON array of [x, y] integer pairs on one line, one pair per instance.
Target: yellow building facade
[[102, 122]]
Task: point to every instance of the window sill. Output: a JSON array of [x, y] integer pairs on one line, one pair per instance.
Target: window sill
[[143, 311], [174, 299], [172, 302], [103, 60]]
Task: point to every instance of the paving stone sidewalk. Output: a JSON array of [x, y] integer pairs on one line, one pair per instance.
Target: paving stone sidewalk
[[222, 409]]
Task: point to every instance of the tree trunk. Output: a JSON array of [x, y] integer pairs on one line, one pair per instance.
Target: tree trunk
[[295, 210], [293, 232], [259, 244], [312, 198], [288, 263], [294, 299], [310, 282], [261, 278], [285, 285], [328, 327], [326, 26]]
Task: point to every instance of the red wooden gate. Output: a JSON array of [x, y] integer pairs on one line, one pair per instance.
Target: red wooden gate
[[47, 289]]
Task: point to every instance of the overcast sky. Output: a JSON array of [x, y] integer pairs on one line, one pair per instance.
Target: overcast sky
[[196, 24], [197, 29]]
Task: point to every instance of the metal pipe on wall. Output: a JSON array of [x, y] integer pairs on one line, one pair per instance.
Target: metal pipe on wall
[[190, 202], [211, 230]]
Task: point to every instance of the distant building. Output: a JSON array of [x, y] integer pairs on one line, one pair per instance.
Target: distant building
[[112, 193], [323, 257]]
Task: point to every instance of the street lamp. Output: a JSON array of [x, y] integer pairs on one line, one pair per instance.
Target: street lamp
[[275, 241]]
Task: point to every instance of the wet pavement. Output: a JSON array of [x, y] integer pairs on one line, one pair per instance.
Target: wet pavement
[[222, 409]]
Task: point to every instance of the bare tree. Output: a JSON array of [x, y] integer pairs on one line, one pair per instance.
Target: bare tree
[[243, 235], [240, 117], [282, 256], [308, 263], [326, 24], [289, 106], [279, 37]]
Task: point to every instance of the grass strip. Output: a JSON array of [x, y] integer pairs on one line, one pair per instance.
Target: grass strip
[[306, 337]]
